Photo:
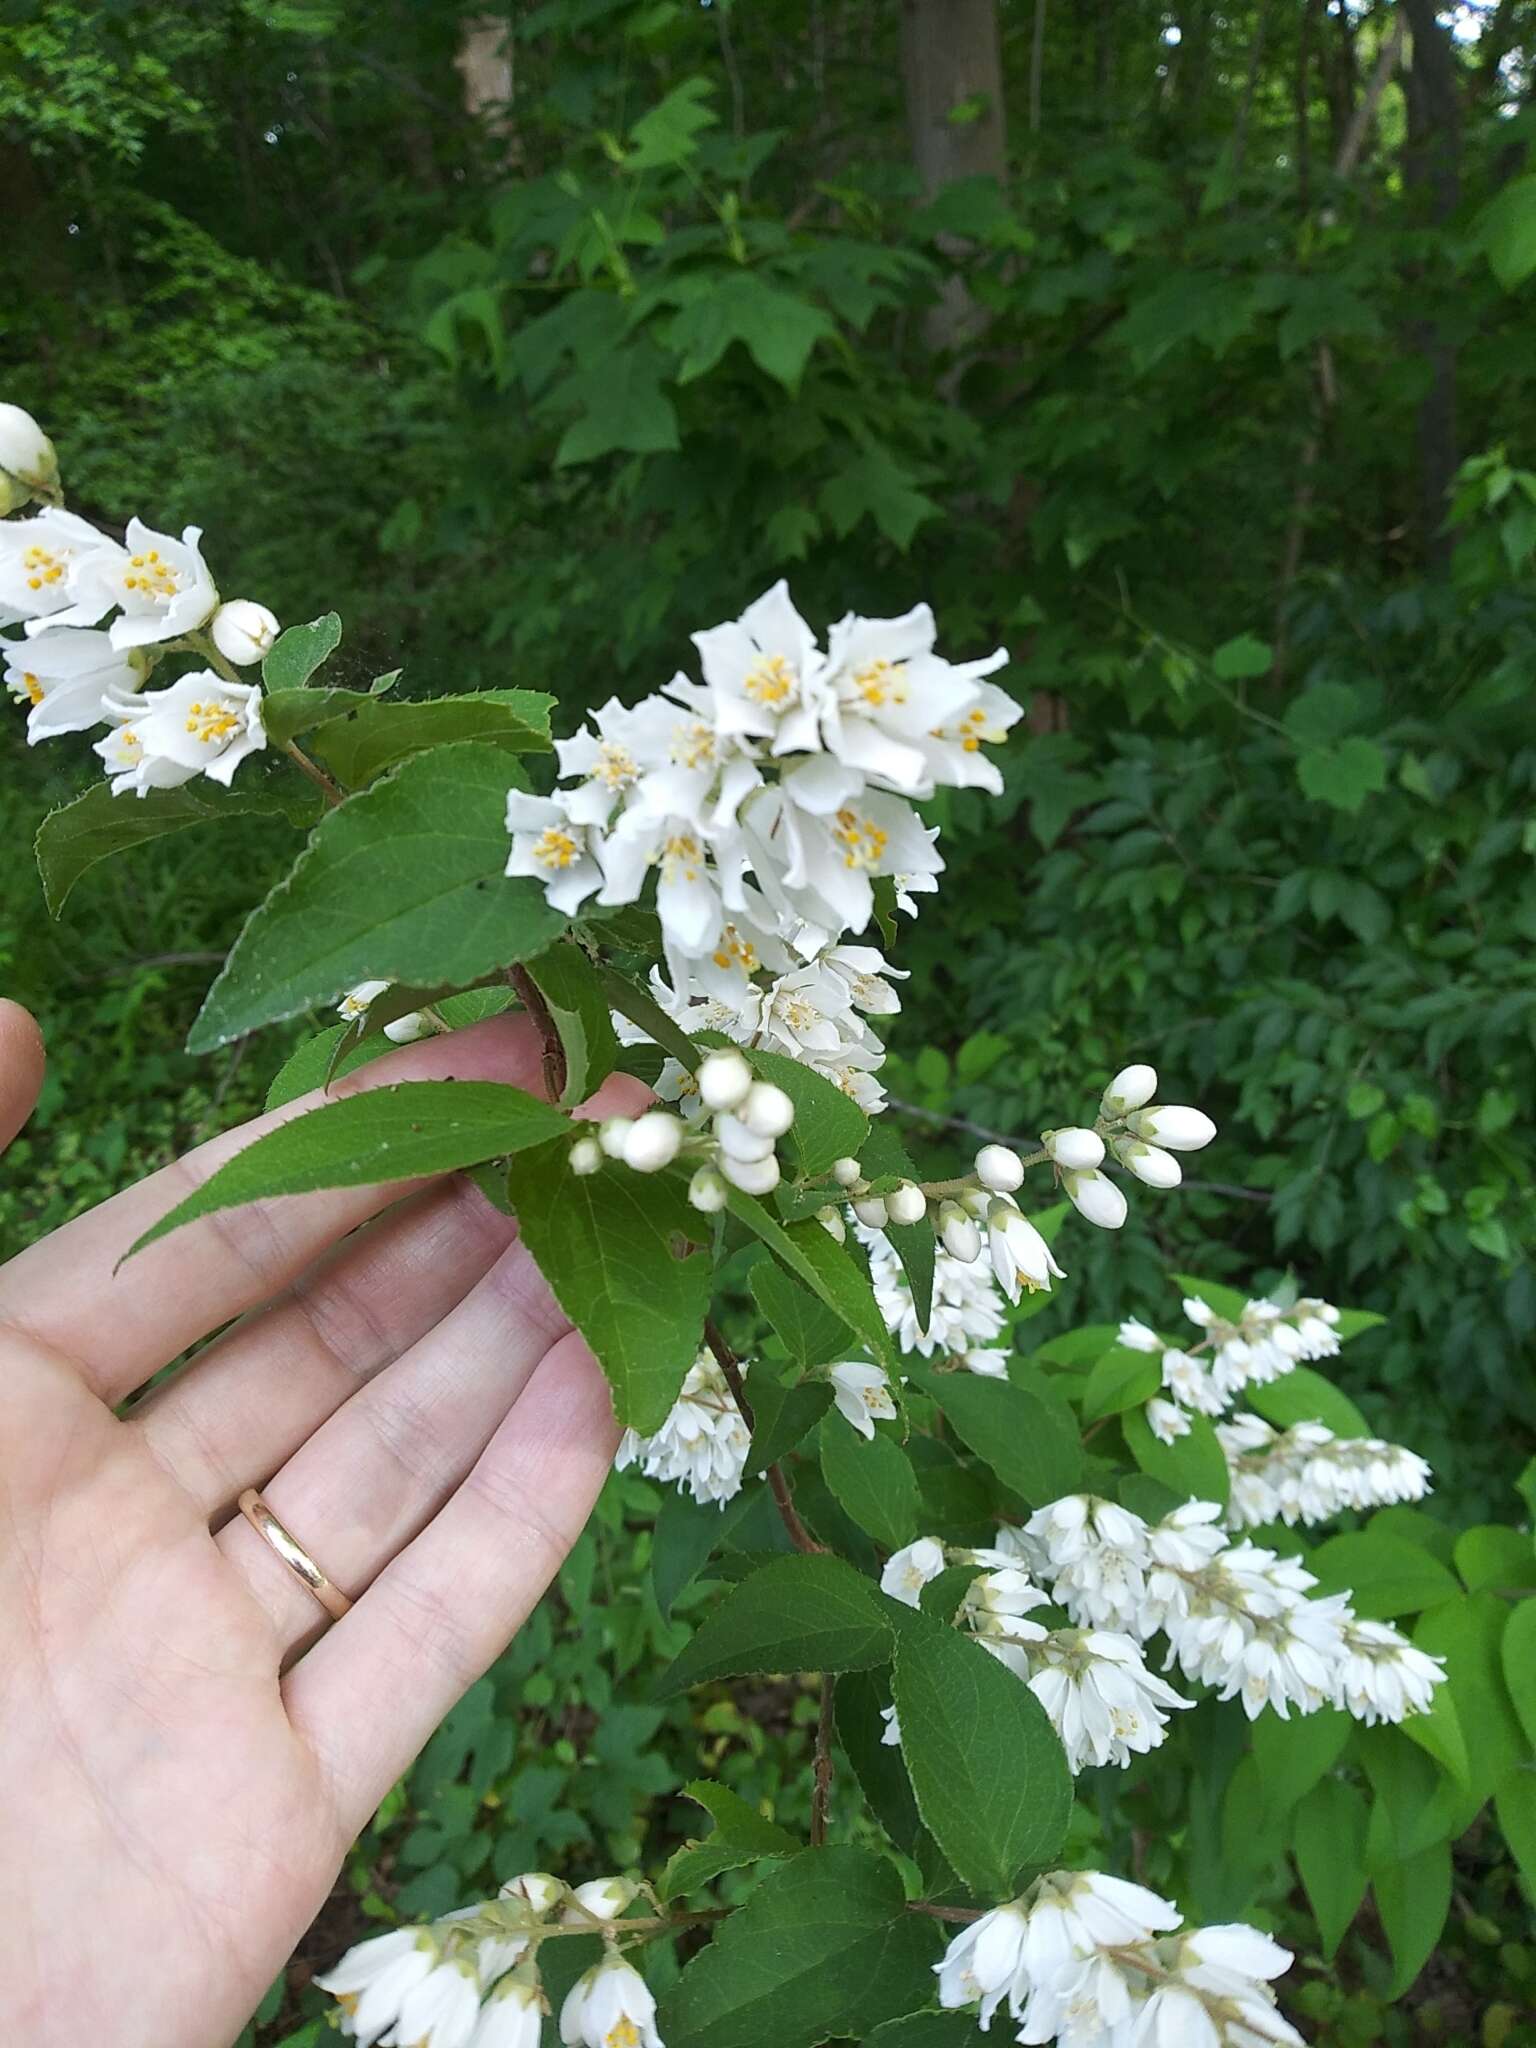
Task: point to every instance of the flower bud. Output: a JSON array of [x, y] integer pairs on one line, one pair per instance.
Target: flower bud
[[737, 1142], [847, 1172], [605, 1898], [906, 1204], [752, 1176], [999, 1168], [724, 1079], [962, 1240], [612, 1132], [1094, 1195], [537, 1888], [29, 468], [243, 631], [652, 1141], [1130, 1088], [831, 1221], [407, 1029], [1074, 1147], [1149, 1163], [1173, 1124], [586, 1156], [1020, 1255], [767, 1110], [706, 1192], [871, 1212]]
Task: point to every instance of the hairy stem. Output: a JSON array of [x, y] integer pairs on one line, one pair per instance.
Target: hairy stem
[[330, 790], [778, 1484], [555, 1072], [821, 1784]]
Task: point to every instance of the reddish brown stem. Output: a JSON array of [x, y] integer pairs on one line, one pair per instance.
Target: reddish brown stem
[[778, 1484], [961, 1915], [549, 1037], [821, 1782]]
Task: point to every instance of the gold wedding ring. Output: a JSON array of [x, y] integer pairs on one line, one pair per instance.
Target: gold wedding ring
[[293, 1554]]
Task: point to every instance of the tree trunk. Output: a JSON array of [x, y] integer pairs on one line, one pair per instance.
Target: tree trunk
[[1432, 167], [951, 58]]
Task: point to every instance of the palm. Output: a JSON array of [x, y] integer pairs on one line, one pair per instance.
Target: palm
[[185, 1747]]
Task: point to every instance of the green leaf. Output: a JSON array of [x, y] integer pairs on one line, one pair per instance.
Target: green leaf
[[823, 1949], [777, 329], [1343, 775], [1245, 656], [783, 1416], [1329, 1847], [811, 1333], [741, 1836], [1517, 1654], [1011, 1429], [1193, 1466], [1515, 1806], [382, 1135], [604, 1242], [1293, 1755], [1305, 1396], [1438, 1734], [77, 835], [1413, 1897], [321, 1060], [1492, 1554], [989, 1774], [641, 1008], [623, 407], [1469, 1634], [1505, 230], [913, 1243], [928, 2030], [374, 735], [578, 1008], [827, 1126], [402, 883], [872, 1480], [811, 1255], [877, 1764], [295, 654], [686, 1533], [1122, 1379], [802, 1613], [1382, 1575]]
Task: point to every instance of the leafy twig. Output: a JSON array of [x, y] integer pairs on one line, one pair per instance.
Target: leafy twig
[[778, 1484]]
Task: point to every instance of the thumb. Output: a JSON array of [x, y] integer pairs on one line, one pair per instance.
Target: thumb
[[21, 1068]]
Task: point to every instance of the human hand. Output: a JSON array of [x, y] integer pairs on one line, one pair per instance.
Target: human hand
[[187, 1746]]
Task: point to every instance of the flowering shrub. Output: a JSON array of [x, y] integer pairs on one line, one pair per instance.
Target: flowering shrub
[[1002, 1545]]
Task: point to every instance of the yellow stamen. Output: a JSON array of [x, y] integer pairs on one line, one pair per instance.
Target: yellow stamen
[[211, 722], [770, 681], [861, 839], [881, 682], [622, 2034], [554, 848], [693, 744]]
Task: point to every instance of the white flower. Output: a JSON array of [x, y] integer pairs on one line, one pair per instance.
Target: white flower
[[1130, 1089], [767, 1111], [820, 866], [1167, 1421], [243, 631], [703, 1443], [752, 1176], [1244, 1624], [29, 467], [537, 1889], [1074, 1147], [1306, 1474], [1189, 1381], [442, 2010], [908, 1570], [1151, 1165], [860, 1393], [959, 1234], [552, 847], [1096, 1555], [372, 1980], [1136, 1336], [355, 1004], [512, 2016], [966, 1311], [999, 1168], [1020, 1255], [1173, 1125], [69, 680], [1095, 1196], [41, 559], [201, 725], [161, 586], [1103, 1701], [984, 1961], [865, 973], [990, 1364], [890, 1734], [610, 2007], [1383, 1677], [763, 671], [1217, 1993], [688, 899], [953, 751], [901, 714]]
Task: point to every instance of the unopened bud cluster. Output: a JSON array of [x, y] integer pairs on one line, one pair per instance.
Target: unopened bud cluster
[[747, 1117]]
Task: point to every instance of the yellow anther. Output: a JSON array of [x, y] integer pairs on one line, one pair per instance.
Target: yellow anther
[[881, 683], [33, 687], [615, 766], [554, 848], [622, 2034], [770, 681], [693, 744], [211, 722], [861, 839]]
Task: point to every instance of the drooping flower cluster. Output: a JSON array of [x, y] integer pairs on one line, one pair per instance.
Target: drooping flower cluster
[[1096, 1962], [1307, 1474], [61, 577], [471, 1979], [703, 1443]]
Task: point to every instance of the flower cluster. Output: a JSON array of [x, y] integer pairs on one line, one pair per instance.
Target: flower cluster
[[61, 577], [1100, 1963], [471, 1979], [1267, 1341], [1307, 1474], [703, 1443]]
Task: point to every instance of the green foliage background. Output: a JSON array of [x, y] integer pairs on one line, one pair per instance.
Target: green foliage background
[[1217, 408]]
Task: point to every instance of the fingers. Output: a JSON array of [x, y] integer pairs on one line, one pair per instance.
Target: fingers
[[373, 1475], [21, 1068], [123, 1325], [374, 1687], [231, 1418]]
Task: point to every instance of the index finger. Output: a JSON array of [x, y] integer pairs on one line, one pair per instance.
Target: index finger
[[122, 1326]]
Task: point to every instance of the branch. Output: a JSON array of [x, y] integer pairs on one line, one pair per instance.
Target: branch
[[821, 1787], [555, 1072], [778, 1485]]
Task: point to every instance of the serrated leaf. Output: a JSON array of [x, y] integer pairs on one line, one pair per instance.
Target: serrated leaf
[[578, 1008], [375, 734], [777, 329], [1506, 232], [1011, 1429], [829, 1272], [686, 1533], [803, 1613], [1343, 775], [382, 1135], [827, 1126], [291, 712], [1193, 1466], [811, 1333], [872, 1480], [72, 839], [623, 407], [988, 1771], [1121, 1379], [297, 652], [326, 1057], [928, 2030], [823, 1949], [642, 1009], [1243, 657], [1328, 1842], [877, 1764], [741, 1836], [783, 1417], [604, 1243], [404, 882]]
